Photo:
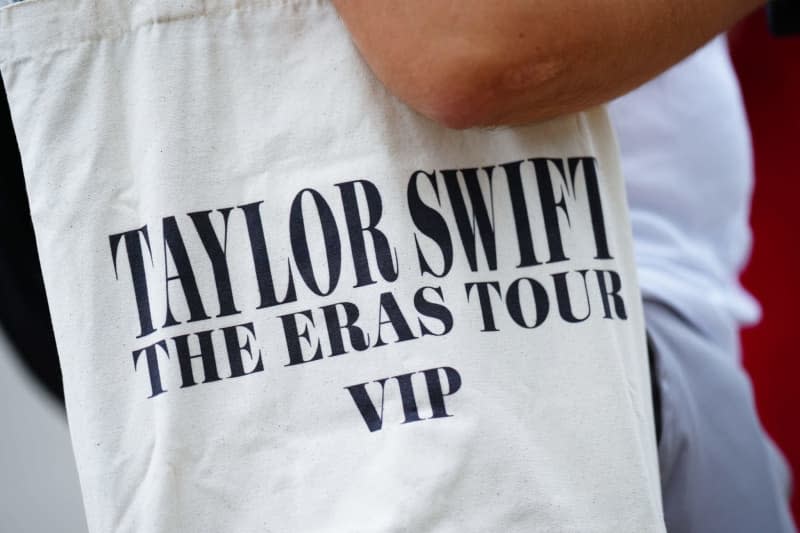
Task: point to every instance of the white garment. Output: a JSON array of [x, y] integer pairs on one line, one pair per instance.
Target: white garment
[[168, 146], [688, 167]]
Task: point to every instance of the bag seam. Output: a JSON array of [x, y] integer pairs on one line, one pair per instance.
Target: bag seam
[[119, 32]]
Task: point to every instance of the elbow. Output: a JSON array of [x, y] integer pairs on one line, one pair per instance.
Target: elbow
[[460, 73], [468, 96], [455, 109], [456, 94], [467, 86]]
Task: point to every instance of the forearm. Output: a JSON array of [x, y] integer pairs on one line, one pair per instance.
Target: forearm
[[474, 62]]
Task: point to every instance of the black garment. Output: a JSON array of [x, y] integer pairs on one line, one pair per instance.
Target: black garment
[[654, 386], [24, 315], [784, 17]]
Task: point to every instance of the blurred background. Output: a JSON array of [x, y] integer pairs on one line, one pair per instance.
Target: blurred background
[[39, 490], [769, 72]]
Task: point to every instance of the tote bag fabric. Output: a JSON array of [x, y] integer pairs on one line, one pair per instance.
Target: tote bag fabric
[[285, 302]]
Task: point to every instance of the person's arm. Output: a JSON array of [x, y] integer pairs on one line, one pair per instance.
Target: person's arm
[[471, 63]]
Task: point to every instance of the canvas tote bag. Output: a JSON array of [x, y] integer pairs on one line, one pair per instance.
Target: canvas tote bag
[[285, 302]]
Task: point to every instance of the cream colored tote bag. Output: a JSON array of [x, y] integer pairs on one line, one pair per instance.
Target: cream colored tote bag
[[284, 302]]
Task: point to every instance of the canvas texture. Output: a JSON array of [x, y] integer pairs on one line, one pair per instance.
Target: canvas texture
[[284, 301]]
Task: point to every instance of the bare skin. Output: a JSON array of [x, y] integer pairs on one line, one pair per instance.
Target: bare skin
[[468, 63]]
